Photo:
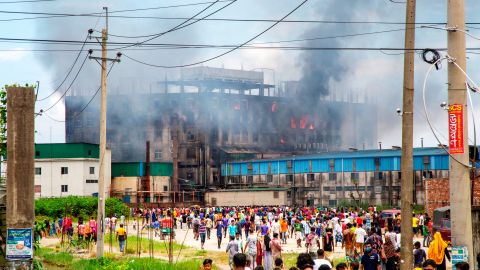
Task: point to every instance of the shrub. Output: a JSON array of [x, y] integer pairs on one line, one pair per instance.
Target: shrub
[[77, 207]]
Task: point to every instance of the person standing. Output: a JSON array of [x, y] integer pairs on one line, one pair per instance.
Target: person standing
[[251, 247], [283, 230], [219, 228], [348, 240], [360, 234], [121, 237], [209, 225], [370, 259], [232, 249], [267, 252], [419, 255], [276, 247], [202, 230], [437, 251]]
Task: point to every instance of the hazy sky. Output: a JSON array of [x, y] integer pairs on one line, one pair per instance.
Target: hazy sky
[[375, 73]]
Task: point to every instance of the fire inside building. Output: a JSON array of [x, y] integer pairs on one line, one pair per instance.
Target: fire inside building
[[213, 115]]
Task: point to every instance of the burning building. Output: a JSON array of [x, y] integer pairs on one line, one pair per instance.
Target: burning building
[[213, 115]]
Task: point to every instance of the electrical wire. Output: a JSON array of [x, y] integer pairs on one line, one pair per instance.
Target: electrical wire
[[227, 52], [427, 115], [61, 15], [68, 73], [71, 83], [94, 95], [25, 1], [179, 26]]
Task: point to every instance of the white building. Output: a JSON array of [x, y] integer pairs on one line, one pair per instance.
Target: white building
[[63, 169]]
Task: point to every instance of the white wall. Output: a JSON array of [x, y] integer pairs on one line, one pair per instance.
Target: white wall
[[51, 179]]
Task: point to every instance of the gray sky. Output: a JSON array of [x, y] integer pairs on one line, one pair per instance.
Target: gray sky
[[375, 73]]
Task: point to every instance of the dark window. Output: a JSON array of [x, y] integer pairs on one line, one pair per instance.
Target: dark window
[[64, 170], [165, 188], [89, 152], [250, 179], [191, 153], [92, 170], [332, 202], [378, 175], [332, 176], [289, 194], [289, 177], [38, 171], [326, 188], [64, 188], [269, 178], [399, 175], [190, 175], [275, 195], [427, 174], [310, 177], [338, 188], [250, 167], [91, 181], [289, 164], [354, 176], [37, 153], [377, 162]]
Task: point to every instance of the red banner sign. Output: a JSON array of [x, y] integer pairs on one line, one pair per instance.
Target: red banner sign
[[455, 128]]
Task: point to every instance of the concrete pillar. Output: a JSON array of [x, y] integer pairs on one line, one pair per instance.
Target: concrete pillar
[[20, 152]]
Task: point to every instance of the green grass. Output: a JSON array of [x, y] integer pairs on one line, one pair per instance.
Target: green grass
[[160, 246], [57, 258]]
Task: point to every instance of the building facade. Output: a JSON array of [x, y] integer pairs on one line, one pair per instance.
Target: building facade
[[212, 115], [69, 169], [371, 176], [127, 178]]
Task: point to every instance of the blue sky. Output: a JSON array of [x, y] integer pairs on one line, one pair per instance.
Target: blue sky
[[376, 74]]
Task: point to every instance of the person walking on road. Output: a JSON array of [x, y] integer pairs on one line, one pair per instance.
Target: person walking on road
[[121, 237]]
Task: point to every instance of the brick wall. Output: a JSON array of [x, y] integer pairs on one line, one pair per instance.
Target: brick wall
[[437, 193]]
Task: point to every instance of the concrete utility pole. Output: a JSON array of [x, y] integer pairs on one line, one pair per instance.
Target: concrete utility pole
[[407, 139], [20, 152], [103, 135], [460, 202]]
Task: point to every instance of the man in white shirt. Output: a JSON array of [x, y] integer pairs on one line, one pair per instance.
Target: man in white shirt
[[360, 234], [276, 226], [321, 260]]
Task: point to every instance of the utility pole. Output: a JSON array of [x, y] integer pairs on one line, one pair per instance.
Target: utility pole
[[20, 178], [407, 139], [103, 134], [460, 202]]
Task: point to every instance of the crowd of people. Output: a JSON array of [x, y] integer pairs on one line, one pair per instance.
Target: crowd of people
[[258, 236]]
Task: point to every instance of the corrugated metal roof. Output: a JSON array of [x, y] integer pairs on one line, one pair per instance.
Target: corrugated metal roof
[[426, 151]]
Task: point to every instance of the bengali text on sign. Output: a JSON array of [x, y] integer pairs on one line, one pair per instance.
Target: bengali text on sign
[[455, 128]]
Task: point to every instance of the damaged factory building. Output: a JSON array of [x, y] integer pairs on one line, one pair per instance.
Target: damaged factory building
[[210, 116]]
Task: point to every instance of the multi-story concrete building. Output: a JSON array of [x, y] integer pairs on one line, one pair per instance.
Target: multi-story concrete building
[[69, 169], [218, 115], [372, 176]]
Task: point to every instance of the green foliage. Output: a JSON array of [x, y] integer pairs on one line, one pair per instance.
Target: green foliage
[[77, 207], [37, 265]]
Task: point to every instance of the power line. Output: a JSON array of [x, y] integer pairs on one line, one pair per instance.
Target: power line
[[49, 15], [61, 15], [183, 24], [71, 83], [25, 1], [227, 52], [94, 95], [68, 73]]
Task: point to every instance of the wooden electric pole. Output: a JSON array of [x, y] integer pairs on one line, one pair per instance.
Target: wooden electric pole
[[407, 139], [460, 193]]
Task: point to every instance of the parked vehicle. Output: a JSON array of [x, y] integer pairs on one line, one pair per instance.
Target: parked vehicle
[[441, 222], [387, 215]]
